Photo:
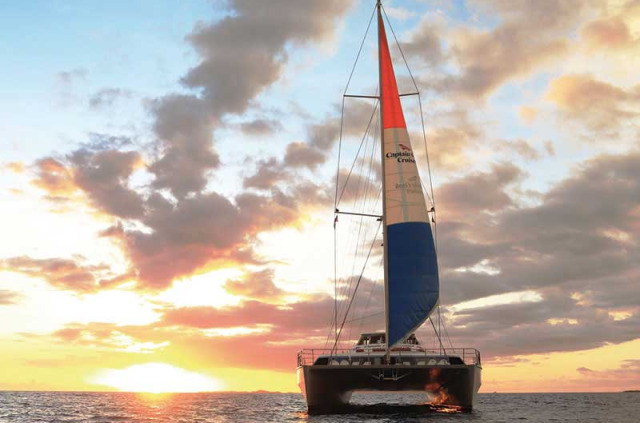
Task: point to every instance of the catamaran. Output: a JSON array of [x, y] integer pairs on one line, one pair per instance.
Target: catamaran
[[394, 360]]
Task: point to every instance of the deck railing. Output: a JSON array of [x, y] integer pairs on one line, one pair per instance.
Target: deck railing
[[350, 357]]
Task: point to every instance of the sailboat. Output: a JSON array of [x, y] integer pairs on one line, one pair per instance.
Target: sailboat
[[394, 360]]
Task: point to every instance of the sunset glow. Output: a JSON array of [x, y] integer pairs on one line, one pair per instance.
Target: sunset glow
[[168, 185]]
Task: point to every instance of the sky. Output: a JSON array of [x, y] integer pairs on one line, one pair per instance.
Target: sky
[[167, 183]]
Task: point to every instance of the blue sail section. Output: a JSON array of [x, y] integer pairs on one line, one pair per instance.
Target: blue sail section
[[413, 277]]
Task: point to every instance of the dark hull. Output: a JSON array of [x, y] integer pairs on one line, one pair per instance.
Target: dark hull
[[328, 389]]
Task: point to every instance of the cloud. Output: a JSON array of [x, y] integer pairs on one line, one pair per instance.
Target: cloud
[[300, 154], [576, 248], [68, 77], [257, 285], [99, 171], [65, 274], [15, 167], [110, 337], [530, 34], [184, 127], [489, 58], [107, 97], [208, 228], [519, 148], [9, 297], [67, 82], [399, 12], [425, 43], [260, 127], [231, 76], [364, 182], [479, 191], [54, 178], [510, 335], [296, 318], [611, 32], [627, 374], [602, 107], [579, 233], [268, 173], [447, 146], [104, 177]]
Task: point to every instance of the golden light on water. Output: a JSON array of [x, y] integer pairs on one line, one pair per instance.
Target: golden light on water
[[156, 378]]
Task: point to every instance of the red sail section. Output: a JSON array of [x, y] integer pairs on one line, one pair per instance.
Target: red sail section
[[392, 115]]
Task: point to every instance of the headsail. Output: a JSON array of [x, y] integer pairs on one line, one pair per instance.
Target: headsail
[[412, 286]]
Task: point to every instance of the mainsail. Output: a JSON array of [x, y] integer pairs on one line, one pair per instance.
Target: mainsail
[[411, 274]]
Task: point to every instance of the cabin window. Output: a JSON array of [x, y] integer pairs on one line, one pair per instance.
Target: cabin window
[[364, 340], [322, 360]]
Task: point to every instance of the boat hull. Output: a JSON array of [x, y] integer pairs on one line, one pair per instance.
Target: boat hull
[[328, 388]]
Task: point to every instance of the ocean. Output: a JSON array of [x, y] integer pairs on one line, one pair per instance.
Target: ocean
[[96, 407]]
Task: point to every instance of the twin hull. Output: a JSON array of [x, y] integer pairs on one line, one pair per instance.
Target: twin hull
[[328, 388]]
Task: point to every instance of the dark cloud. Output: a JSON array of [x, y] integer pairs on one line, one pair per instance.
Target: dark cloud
[[425, 44], [268, 173], [185, 237], [101, 141], [184, 127], [575, 248], [581, 230], [208, 228], [231, 77], [104, 177], [479, 191], [300, 154], [556, 323], [260, 127]]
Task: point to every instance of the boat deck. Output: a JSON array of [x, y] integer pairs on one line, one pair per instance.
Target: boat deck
[[398, 357]]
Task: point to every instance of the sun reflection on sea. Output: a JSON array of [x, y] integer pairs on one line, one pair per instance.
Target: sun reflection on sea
[[446, 409]]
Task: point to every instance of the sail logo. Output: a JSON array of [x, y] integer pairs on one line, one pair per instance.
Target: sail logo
[[405, 155]]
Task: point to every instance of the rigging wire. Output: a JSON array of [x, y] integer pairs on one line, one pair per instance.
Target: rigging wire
[[362, 195], [374, 285], [335, 201], [373, 113], [356, 288]]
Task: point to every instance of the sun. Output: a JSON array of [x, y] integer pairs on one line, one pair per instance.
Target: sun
[[156, 378]]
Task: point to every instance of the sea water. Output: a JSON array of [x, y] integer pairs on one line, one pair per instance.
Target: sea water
[[106, 407]]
